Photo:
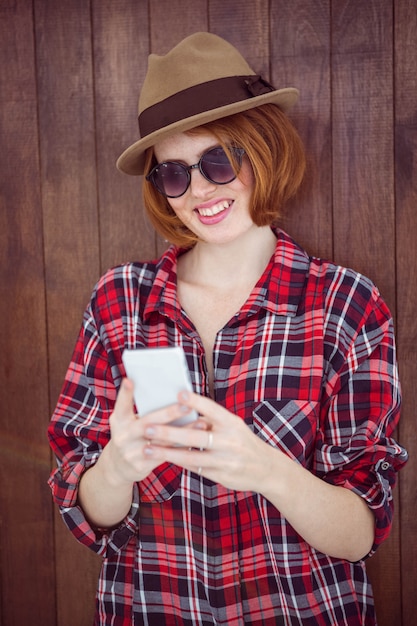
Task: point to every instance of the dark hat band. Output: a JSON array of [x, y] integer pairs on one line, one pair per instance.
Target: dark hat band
[[200, 98]]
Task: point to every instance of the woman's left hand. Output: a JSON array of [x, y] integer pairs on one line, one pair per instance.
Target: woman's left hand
[[222, 447]]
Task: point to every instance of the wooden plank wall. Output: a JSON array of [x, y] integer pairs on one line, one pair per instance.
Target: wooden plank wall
[[70, 73]]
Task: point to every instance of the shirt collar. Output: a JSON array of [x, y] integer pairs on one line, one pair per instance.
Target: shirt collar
[[163, 294], [279, 289], [283, 281]]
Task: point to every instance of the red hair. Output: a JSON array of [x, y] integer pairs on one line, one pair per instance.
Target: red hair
[[275, 151]]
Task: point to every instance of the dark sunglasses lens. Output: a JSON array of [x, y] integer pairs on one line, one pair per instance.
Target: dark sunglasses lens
[[216, 166], [171, 179]]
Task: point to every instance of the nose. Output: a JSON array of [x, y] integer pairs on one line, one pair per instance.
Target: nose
[[199, 184]]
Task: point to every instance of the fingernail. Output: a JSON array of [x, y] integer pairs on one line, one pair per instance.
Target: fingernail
[[150, 432], [184, 395]]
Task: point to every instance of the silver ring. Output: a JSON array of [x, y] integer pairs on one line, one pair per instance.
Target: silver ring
[[200, 469], [210, 440]]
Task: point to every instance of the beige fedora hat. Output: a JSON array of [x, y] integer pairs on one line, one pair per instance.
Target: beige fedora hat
[[204, 78]]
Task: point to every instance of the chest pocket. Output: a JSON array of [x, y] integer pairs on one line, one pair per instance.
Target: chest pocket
[[290, 426]]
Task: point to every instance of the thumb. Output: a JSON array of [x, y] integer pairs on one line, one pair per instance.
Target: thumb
[[123, 408]]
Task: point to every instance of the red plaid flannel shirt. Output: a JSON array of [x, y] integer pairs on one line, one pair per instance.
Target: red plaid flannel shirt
[[309, 364]]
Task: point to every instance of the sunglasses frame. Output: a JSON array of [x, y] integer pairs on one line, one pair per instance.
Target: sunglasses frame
[[235, 151]]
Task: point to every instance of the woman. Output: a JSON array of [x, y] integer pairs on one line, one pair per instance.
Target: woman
[[264, 509]]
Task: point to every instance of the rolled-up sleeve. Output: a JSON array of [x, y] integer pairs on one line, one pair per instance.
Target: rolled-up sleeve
[[78, 432], [356, 448]]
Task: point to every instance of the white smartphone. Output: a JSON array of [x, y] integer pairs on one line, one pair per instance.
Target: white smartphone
[[158, 374]]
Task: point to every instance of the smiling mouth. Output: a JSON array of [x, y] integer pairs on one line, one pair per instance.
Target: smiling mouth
[[215, 209]]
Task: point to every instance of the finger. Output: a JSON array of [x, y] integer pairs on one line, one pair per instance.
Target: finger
[[200, 424], [166, 414], [187, 457], [214, 413], [183, 436]]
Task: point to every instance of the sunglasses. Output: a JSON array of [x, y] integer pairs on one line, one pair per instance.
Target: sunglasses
[[172, 179]]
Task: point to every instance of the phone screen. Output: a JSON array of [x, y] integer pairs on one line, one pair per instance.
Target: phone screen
[[158, 375]]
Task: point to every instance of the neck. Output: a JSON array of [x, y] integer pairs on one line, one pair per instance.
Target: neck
[[238, 262]]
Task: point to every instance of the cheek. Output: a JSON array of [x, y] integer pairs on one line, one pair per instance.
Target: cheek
[[177, 206], [246, 176]]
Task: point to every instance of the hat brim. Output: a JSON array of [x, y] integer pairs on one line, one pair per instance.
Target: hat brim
[[132, 160]]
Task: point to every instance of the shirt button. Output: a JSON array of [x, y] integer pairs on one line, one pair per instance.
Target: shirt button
[[385, 465]]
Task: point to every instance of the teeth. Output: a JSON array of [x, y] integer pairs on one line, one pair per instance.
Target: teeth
[[213, 210]]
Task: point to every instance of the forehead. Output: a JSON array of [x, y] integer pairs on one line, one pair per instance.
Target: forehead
[[184, 146]]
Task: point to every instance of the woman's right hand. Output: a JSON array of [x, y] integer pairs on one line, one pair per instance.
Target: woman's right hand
[[105, 491], [126, 460]]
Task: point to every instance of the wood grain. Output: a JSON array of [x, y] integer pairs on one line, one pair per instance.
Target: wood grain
[[300, 57], [27, 592], [71, 242], [405, 29]]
